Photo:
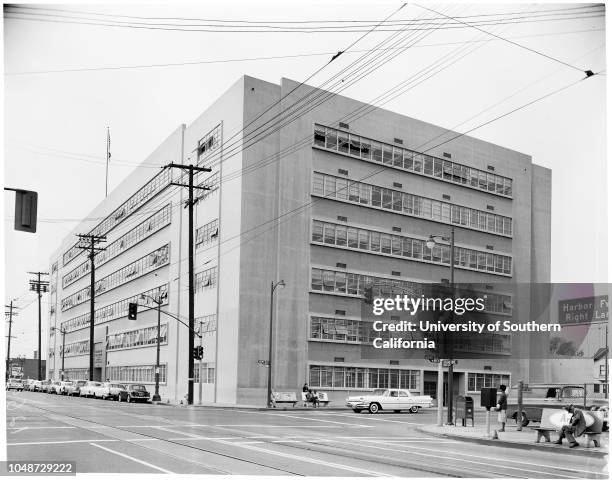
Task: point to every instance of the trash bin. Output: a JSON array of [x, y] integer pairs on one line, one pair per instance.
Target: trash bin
[[464, 409]]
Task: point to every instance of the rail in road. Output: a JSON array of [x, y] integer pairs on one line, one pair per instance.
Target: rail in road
[[104, 436]]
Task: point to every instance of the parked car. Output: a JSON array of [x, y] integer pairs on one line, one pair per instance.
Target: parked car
[[55, 387], [26, 382], [35, 386], [74, 388], [396, 400], [114, 390], [102, 391], [46, 384], [14, 384], [87, 390], [538, 397], [134, 393], [63, 390]]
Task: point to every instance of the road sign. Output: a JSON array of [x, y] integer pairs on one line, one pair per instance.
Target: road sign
[[447, 363]]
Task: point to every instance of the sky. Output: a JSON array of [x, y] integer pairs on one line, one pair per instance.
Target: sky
[[66, 82]]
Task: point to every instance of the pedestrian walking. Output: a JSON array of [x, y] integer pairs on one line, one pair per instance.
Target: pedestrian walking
[[575, 428], [501, 407]]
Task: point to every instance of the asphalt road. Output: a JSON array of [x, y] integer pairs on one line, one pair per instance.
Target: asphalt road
[[108, 436]]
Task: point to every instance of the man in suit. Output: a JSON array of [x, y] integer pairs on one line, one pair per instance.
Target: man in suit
[[575, 428]]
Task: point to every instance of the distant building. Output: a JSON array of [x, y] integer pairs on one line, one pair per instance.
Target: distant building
[[331, 203], [26, 367]]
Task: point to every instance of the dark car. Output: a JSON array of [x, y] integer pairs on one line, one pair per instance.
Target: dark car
[[134, 393]]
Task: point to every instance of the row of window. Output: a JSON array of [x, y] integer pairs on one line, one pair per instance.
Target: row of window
[[341, 282], [136, 374], [405, 159], [208, 144], [207, 370], [212, 183], [141, 197], [152, 261], [153, 224], [476, 381], [410, 204], [140, 337], [485, 343], [403, 246], [76, 374], [117, 309], [321, 376], [206, 279], [76, 348], [206, 324], [207, 233]]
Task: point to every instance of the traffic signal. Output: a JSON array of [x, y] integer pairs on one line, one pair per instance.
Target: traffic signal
[[368, 296], [132, 311], [198, 352], [26, 206]]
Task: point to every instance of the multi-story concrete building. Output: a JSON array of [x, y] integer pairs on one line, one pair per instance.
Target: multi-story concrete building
[[331, 198]]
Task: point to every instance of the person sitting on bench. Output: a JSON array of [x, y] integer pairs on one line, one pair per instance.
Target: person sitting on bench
[[575, 428]]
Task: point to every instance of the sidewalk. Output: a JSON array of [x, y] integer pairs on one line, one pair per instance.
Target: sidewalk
[[513, 438]]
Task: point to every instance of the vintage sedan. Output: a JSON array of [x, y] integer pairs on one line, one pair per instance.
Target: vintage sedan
[[88, 390], [114, 390], [134, 393], [74, 388], [14, 384], [396, 400]]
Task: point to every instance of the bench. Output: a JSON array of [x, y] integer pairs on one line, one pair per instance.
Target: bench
[[560, 417], [322, 396], [283, 397]]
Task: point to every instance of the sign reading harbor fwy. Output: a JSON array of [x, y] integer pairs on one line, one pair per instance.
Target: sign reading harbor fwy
[[584, 310]]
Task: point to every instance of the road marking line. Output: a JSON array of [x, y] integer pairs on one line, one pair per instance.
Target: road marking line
[[319, 420], [279, 426], [309, 460], [495, 459], [195, 435], [133, 459], [361, 417], [44, 428], [61, 442]]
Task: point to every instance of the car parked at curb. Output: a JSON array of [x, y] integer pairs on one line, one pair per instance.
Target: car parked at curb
[[64, 387], [134, 393], [14, 384], [55, 387], [88, 389], [102, 391], [394, 399], [75, 388], [46, 384], [35, 386], [115, 389]]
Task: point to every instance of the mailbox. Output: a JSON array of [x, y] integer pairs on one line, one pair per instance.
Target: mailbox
[[464, 409], [488, 397]]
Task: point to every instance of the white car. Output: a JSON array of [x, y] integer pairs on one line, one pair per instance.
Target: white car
[[102, 391], [88, 390], [35, 386], [393, 399], [55, 387], [14, 384]]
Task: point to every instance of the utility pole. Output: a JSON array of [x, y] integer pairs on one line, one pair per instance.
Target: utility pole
[[92, 250], [191, 201], [10, 313], [108, 155], [40, 286], [63, 333]]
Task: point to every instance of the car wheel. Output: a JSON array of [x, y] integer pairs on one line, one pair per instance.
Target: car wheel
[[129, 399], [414, 409], [374, 407], [357, 410]]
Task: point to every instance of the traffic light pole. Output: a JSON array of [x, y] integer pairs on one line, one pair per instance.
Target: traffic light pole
[[190, 203]]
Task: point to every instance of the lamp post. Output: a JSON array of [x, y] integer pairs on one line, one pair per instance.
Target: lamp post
[[159, 301], [431, 243], [63, 333], [273, 287]]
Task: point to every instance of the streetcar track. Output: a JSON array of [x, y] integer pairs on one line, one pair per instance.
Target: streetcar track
[[166, 440]]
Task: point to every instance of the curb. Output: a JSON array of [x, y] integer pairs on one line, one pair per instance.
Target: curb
[[526, 445]]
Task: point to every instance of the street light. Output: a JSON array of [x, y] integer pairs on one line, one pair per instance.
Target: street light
[[431, 243], [63, 333], [273, 287], [159, 301]]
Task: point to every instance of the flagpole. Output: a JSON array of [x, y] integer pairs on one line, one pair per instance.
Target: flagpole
[[107, 159]]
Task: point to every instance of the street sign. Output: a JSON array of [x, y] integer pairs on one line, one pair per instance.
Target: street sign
[[263, 362], [432, 359], [448, 363]]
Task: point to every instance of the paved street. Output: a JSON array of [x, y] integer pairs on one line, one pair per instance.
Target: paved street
[[107, 436]]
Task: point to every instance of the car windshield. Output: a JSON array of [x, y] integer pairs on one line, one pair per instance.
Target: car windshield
[[80, 384], [138, 387]]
